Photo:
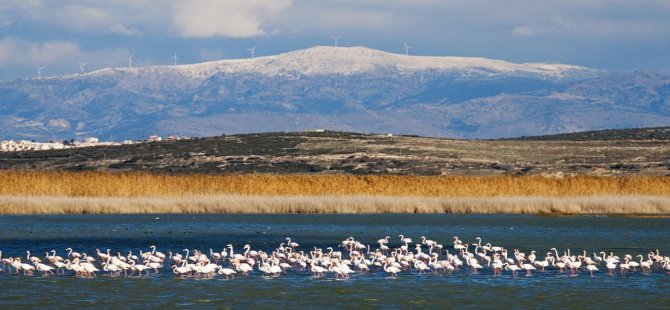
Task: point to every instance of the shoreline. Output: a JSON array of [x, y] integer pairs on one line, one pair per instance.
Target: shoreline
[[630, 205]]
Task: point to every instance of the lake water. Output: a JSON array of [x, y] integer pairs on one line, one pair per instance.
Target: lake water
[[121, 233]]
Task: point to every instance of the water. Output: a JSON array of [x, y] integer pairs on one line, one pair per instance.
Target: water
[[121, 233]]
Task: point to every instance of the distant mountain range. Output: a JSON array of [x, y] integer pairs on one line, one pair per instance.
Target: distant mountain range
[[338, 88]]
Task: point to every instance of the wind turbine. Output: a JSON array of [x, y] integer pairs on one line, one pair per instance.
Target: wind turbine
[[81, 67], [253, 52], [407, 48], [174, 58], [39, 72], [130, 61], [336, 39]]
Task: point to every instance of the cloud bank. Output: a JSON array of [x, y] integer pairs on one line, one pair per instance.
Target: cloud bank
[[232, 18], [597, 33]]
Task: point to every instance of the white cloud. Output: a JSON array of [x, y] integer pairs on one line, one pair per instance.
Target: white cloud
[[527, 31], [190, 18], [251, 18], [125, 17], [231, 18], [346, 18], [15, 51], [472, 27], [59, 56], [590, 28], [125, 30], [6, 21]]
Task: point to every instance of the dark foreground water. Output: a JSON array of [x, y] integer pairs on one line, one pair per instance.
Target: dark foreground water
[[85, 233]]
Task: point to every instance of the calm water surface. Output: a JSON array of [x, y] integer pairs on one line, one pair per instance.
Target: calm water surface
[[121, 233]]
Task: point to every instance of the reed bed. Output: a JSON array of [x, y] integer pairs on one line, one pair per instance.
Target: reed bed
[[105, 184], [234, 204], [100, 192]]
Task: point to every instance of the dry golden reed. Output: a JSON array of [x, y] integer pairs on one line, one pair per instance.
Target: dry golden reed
[[104, 192], [105, 184]]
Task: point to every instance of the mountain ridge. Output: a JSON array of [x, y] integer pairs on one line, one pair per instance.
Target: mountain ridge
[[343, 60], [348, 89]]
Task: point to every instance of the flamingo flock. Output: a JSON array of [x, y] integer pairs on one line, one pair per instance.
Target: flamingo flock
[[351, 257]]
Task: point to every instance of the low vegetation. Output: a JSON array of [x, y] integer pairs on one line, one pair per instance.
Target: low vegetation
[[102, 184], [638, 152], [605, 172], [101, 192]]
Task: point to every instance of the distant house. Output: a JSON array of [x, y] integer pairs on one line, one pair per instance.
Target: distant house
[[154, 138], [91, 140]]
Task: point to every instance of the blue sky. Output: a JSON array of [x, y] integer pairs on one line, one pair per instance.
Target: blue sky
[[614, 35]]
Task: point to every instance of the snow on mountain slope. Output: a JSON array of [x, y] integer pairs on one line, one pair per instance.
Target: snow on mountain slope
[[343, 88], [324, 60]]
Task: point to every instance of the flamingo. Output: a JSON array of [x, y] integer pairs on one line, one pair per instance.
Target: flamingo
[[113, 269], [53, 257], [574, 266], [631, 263], [392, 270], [227, 272], [215, 256], [646, 266], [72, 254], [244, 268], [27, 268], [32, 259], [384, 240], [157, 254], [591, 269], [45, 269], [497, 267], [6, 262], [138, 268], [60, 266], [182, 270], [88, 269], [429, 243], [16, 263], [269, 270], [513, 268], [528, 268], [153, 265], [624, 266], [561, 265], [102, 256], [317, 270], [611, 266], [404, 240], [291, 244], [357, 256]]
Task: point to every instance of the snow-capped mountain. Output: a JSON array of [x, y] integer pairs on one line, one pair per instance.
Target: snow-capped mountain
[[324, 60], [339, 88]]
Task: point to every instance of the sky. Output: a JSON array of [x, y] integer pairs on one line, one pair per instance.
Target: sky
[[615, 35]]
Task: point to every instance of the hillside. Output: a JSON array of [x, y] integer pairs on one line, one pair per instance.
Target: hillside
[[660, 133], [621, 152], [352, 89]]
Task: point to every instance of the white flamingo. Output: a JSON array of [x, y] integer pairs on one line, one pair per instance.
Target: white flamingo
[[45, 269], [392, 270], [227, 272]]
